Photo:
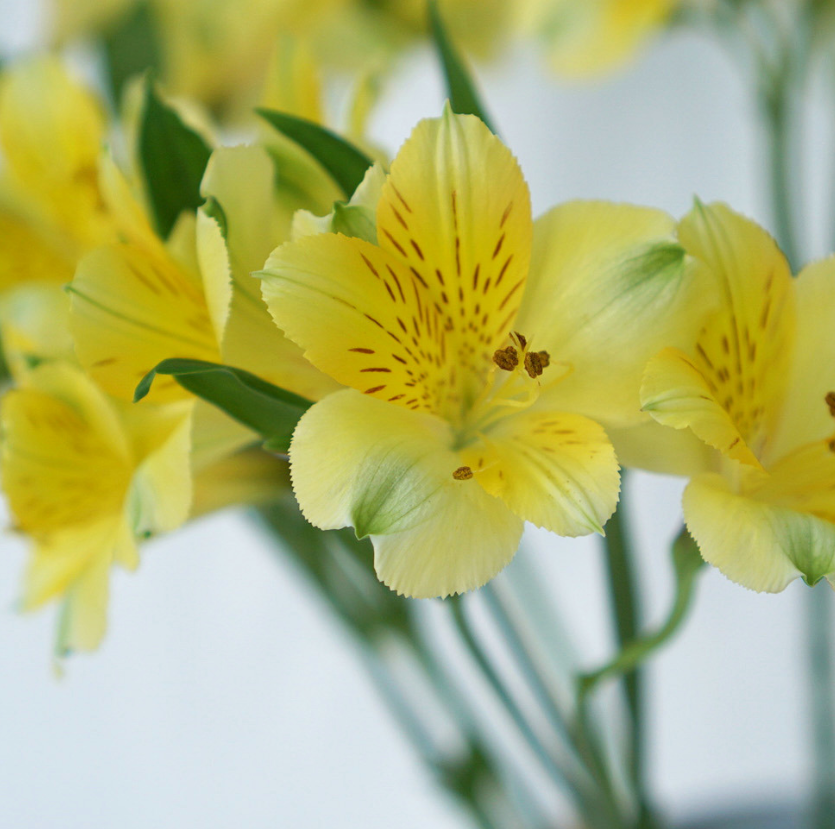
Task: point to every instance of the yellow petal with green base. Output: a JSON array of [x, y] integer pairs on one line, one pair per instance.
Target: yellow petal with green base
[[608, 288], [556, 470], [759, 545], [130, 311], [730, 384], [388, 472]]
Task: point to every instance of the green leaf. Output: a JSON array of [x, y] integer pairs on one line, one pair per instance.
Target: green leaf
[[463, 97], [268, 410], [131, 47], [687, 562], [345, 163], [173, 158]]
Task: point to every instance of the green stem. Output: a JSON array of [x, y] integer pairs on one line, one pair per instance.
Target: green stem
[[624, 595], [819, 619], [777, 105], [591, 804], [579, 739]]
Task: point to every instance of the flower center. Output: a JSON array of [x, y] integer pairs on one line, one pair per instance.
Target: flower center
[[512, 385]]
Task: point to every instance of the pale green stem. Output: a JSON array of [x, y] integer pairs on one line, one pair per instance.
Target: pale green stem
[[820, 620], [623, 591]]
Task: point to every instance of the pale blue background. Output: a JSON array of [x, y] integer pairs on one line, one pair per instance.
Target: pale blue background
[[225, 696]]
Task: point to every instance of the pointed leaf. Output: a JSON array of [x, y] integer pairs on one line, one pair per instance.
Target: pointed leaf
[[266, 409], [173, 158], [345, 163], [463, 97]]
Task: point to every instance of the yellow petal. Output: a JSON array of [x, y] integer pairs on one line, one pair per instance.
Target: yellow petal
[[293, 84], [28, 255], [388, 472], [805, 415], [249, 477], [65, 457], [456, 212], [732, 381], [594, 36], [676, 393], [756, 544], [556, 470], [656, 448], [361, 316], [160, 494], [51, 130], [84, 614], [608, 289], [60, 559], [240, 179], [129, 312]]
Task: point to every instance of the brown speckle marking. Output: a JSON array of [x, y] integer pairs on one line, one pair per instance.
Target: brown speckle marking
[[375, 369], [362, 350], [418, 251], [394, 242], [399, 196], [503, 271], [511, 292], [373, 389], [376, 322], [399, 217], [370, 266], [498, 246]]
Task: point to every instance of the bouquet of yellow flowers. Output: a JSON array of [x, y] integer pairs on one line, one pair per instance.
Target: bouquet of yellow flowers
[[215, 293]]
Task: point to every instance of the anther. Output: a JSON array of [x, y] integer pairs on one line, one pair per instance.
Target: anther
[[506, 358], [463, 473], [544, 358], [830, 401], [521, 339], [533, 363]]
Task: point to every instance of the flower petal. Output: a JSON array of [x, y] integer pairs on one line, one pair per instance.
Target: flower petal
[[676, 393], [51, 129], [730, 384], [758, 545], [130, 311], [362, 317], [456, 210], [240, 179], [388, 472], [608, 289], [656, 448], [805, 414], [556, 470], [65, 458]]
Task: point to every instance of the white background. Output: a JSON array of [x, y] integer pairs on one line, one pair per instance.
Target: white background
[[224, 694]]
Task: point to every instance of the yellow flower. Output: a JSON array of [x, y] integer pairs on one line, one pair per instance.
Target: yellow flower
[[588, 37], [85, 477], [755, 384], [459, 422]]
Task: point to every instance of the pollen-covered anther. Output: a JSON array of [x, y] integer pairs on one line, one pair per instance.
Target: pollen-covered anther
[[506, 358], [463, 473], [536, 361], [830, 401]]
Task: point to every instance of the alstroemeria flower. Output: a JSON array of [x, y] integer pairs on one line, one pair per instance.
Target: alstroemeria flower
[[451, 434], [85, 476], [756, 384]]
